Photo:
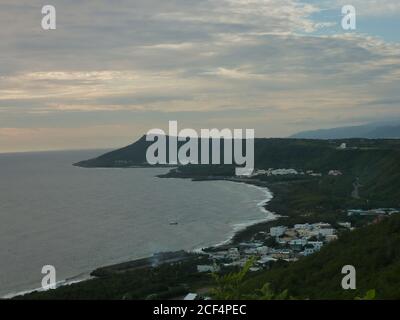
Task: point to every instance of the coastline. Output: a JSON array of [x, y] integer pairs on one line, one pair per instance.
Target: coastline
[[245, 226], [237, 230], [66, 282]]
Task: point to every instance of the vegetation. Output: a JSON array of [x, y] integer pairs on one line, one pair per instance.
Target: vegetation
[[370, 295], [230, 286], [373, 250], [166, 281], [375, 164]]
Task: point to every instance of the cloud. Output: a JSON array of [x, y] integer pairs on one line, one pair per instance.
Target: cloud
[[266, 63]]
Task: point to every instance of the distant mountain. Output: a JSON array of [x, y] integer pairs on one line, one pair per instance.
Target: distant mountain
[[369, 131]]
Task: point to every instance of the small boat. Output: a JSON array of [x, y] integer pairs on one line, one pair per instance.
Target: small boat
[[173, 223]]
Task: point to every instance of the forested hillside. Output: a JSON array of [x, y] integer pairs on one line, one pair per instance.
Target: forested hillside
[[373, 250]]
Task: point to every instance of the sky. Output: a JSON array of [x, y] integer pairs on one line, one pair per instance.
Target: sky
[[112, 70]]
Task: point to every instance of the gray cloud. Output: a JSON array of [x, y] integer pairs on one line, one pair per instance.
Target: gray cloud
[[137, 64]]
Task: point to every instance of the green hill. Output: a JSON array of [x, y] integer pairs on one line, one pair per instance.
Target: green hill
[[373, 250]]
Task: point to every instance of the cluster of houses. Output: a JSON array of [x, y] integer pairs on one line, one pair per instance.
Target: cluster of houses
[[305, 239], [378, 215], [281, 243], [275, 172], [335, 173], [373, 212], [283, 172]]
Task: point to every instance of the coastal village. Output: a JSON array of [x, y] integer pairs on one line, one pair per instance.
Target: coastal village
[[285, 243], [283, 172], [280, 243]]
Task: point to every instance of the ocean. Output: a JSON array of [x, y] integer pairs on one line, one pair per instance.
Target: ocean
[[76, 219]]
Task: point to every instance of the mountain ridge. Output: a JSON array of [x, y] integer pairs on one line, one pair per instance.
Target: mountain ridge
[[368, 131]]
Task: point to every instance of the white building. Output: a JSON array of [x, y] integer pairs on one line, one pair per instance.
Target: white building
[[343, 146], [316, 174], [282, 172], [281, 254], [190, 296], [321, 225], [305, 226], [335, 173], [219, 255], [281, 241], [277, 231], [233, 254], [251, 251], [266, 259], [316, 244], [263, 250], [298, 242], [254, 269], [305, 233], [345, 224], [308, 251], [237, 263]]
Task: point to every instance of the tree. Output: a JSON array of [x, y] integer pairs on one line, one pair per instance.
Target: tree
[[230, 287]]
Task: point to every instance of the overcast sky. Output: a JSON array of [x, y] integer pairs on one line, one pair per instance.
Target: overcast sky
[[114, 69]]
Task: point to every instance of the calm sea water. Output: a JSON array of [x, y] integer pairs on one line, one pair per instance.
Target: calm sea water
[[78, 219]]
